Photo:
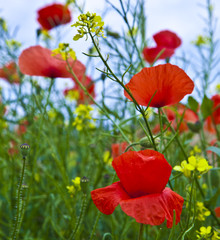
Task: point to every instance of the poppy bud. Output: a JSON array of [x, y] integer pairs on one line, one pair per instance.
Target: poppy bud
[[83, 183], [144, 142], [24, 149], [194, 127]]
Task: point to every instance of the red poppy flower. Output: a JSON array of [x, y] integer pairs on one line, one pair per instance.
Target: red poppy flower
[[167, 39], [141, 190], [168, 82], [217, 211], [81, 97], [53, 15], [150, 54], [216, 108], [9, 73], [37, 61], [118, 149]]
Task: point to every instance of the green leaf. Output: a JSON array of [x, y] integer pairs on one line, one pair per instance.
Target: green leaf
[[215, 150], [193, 104], [206, 107]]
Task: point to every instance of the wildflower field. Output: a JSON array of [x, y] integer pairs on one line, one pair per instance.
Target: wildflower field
[[131, 150]]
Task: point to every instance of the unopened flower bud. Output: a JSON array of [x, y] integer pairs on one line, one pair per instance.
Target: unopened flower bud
[[24, 149], [84, 183], [194, 127], [144, 142]]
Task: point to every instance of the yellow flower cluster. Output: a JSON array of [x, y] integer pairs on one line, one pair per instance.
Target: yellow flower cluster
[[194, 163], [201, 40], [72, 95], [65, 51], [88, 23], [3, 24], [107, 158], [196, 150], [218, 88], [13, 44], [72, 189], [206, 233], [202, 211], [83, 119]]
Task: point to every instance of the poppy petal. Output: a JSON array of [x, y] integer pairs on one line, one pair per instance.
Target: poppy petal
[[107, 199], [143, 172], [217, 211], [37, 61], [167, 39], [216, 108], [150, 54], [53, 15], [168, 82], [153, 209]]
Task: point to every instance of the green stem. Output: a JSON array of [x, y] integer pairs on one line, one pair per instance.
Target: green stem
[[141, 231], [80, 219], [18, 217]]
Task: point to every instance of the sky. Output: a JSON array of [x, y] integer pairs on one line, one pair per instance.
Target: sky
[[183, 17]]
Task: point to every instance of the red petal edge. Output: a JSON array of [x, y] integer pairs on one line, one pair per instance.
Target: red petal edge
[[153, 209], [107, 199]]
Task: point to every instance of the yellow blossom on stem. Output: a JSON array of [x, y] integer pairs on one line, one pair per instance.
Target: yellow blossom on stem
[[201, 211], [76, 183], [204, 232], [83, 119], [107, 158], [88, 23], [65, 51], [216, 235], [194, 163], [182, 168]]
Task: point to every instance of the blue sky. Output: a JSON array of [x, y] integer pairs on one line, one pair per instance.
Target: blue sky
[[181, 16]]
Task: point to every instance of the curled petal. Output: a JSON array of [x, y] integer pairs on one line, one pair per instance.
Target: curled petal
[[37, 61], [107, 199], [153, 209], [166, 83], [143, 172]]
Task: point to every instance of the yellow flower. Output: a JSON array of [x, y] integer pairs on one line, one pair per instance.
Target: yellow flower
[[83, 119], [183, 168], [107, 157], [65, 51], [218, 88], [71, 189], [194, 163], [201, 40], [13, 44], [72, 95], [88, 23], [204, 232], [215, 235], [3, 24], [76, 183], [202, 211]]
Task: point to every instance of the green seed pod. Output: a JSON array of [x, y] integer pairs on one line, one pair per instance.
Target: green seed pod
[[144, 142], [24, 149], [84, 183], [194, 127]]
